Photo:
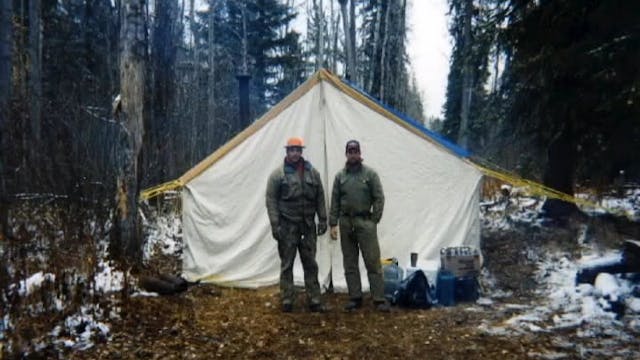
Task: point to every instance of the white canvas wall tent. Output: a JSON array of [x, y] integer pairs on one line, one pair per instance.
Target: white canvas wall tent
[[431, 188]]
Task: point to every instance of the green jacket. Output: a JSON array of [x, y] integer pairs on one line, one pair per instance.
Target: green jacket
[[356, 193], [292, 199]]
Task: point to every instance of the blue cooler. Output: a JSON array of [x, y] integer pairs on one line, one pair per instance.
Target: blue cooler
[[446, 288], [466, 289]]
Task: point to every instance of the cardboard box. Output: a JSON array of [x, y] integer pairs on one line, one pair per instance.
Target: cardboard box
[[461, 260]]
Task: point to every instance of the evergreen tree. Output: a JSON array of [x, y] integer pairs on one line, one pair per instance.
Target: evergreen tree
[[473, 28], [383, 65], [574, 87]]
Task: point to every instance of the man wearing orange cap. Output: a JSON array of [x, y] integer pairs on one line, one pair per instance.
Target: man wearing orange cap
[[357, 201], [294, 196]]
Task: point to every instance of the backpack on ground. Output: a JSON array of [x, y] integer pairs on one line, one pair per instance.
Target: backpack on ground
[[414, 292]]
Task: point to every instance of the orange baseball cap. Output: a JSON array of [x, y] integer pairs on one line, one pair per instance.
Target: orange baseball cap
[[295, 142]]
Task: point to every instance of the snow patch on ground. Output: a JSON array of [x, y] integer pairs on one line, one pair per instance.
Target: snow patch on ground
[[592, 311], [164, 234], [30, 284], [108, 279]]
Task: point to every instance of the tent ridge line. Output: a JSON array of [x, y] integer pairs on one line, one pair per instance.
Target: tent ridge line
[[252, 129]]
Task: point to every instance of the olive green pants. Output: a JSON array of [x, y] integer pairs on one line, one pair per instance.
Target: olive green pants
[[298, 237], [360, 234]]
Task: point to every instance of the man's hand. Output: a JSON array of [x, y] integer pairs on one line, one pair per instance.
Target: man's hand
[[334, 232], [275, 232], [322, 228]]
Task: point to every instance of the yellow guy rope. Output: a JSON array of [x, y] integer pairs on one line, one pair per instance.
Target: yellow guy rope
[[542, 190], [159, 189]]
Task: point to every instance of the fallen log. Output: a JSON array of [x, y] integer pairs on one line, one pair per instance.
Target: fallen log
[[164, 284], [629, 263]]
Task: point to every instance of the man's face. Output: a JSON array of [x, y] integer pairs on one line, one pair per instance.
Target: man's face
[[294, 153], [353, 155]]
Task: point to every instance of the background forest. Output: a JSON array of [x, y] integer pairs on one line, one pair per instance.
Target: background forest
[[109, 97]]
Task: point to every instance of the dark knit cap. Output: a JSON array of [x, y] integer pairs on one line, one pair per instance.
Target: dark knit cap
[[352, 144]]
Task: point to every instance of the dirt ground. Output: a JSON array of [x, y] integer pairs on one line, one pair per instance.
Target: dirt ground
[[211, 322], [208, 322]]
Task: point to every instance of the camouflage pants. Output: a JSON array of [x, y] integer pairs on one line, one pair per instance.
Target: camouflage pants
[[361, 234], [298, 237]]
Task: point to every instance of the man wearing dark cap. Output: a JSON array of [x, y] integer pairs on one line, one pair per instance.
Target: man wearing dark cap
[[294, 196], [357, 201]]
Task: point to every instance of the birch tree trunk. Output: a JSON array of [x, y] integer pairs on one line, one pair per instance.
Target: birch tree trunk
[[132, 85], [467, 76]]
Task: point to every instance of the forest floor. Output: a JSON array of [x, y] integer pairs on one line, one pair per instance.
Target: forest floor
[[212, 322], [515, 318]]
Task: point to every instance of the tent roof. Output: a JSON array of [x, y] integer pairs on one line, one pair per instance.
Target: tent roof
[[403, 120]]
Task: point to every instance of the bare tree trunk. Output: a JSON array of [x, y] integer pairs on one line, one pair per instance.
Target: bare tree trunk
[[496, 67], [467, 76], [352, 40], [21, 69], [6, 47], [132, 82], [559, 172], [212, 129], [244, 66], [335, 25], [35, 86], [319, 29], [383, 50], [193, 108], [349, 72], [401, 34], [376, 46], [160, 151], [243, 78]]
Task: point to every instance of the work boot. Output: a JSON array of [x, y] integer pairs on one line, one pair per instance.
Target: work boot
[[287, 307], [383, 306], [317, 308], [353, 304]]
